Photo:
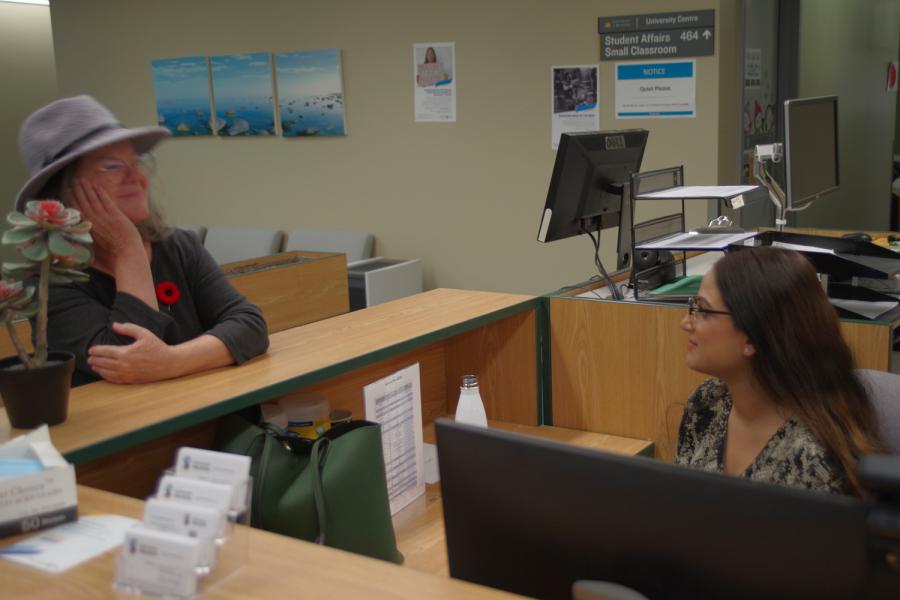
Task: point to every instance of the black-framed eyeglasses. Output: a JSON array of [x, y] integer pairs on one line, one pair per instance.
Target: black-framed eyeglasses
[[694, 308]]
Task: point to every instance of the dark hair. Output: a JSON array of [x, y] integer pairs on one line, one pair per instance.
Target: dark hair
[[433, 53], [801, 359]]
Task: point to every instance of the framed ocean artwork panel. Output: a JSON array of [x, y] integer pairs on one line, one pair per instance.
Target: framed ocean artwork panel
[[242, 94], [310, 93]]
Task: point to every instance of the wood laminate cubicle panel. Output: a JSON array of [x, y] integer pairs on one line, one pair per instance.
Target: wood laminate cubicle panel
[[121, 436], [293, 288]]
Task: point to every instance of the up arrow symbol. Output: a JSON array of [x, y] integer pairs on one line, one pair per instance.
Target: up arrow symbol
[[706, 34]]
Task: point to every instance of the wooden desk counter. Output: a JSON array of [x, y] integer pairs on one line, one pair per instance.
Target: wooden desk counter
[[448, 332], [420, 525], [276, 566]]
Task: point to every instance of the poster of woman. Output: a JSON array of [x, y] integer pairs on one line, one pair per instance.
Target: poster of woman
[[435, 82]]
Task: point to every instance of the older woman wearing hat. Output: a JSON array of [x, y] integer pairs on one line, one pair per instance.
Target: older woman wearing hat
[[157, 306]]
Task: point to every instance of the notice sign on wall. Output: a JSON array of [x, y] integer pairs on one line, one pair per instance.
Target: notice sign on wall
[[658, 35], [661, 89]]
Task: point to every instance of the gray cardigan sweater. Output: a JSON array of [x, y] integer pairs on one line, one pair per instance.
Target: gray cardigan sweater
[[81, 314]]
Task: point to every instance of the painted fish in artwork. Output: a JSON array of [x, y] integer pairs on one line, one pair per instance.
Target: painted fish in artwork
[[182, 127], [216, 124], [239, 126]]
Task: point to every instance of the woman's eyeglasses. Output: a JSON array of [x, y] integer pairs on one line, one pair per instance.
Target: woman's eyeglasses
[[694, 308], [115, 167]]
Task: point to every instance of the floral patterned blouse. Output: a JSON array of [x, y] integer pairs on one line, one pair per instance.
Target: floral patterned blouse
[[793, 457]]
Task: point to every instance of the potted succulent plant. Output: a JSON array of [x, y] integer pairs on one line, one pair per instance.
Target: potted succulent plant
[[54, 245]]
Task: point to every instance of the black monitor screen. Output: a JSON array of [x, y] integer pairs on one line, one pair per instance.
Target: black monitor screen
[[585, 188], [532, 516], [810, 148]]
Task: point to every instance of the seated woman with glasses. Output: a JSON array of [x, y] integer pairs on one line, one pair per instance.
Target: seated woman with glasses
[[784, 405], [156, 306]]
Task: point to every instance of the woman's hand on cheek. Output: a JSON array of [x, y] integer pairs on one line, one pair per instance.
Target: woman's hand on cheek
[[112, 231]]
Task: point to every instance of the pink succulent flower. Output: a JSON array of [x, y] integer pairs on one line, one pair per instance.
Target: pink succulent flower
[[10, 290], [51, 212]]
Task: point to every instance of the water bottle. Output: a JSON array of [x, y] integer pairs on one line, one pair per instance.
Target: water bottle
[[470, 409]]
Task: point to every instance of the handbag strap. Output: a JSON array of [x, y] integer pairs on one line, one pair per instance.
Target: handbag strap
[[268, 441], [318, 457]]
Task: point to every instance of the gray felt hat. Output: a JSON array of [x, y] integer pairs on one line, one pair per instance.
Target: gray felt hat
[[54, 136]]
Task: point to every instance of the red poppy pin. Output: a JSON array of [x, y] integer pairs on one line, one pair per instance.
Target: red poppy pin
[[168, 293]]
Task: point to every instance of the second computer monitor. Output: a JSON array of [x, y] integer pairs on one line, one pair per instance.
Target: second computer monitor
[[810, 149]]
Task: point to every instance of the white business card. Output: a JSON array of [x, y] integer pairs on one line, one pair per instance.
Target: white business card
[[201, 522], [216, 467], [158, 562], [195, 491]]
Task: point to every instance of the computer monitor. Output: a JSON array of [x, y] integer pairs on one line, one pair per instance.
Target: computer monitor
[[532, 516], [585, 192], [810, 149]]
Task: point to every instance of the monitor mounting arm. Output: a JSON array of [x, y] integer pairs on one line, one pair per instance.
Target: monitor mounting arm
[[762, 154]]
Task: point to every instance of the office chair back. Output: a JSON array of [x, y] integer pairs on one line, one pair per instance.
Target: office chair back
[[884, 392], [231, 244], [357, 245]]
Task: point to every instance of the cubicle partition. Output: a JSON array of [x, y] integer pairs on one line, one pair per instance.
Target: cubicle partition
[[121, 437], [293, 288]]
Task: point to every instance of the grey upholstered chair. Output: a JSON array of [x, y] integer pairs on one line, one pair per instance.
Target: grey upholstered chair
[[357, 245], [884, 391], [230, 244]]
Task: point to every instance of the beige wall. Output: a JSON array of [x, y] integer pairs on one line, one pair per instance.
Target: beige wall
[[844, 50], [464, 197], [28, 73]]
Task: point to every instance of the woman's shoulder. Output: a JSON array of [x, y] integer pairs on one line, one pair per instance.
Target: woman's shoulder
[[182, 238], [179, 242], [712, 394], [798, 459]]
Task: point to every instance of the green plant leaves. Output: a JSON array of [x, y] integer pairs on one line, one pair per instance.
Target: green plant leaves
[[17, 219], [37, 251], [81, 238], [20, 236], [69, 275], [59, 245]]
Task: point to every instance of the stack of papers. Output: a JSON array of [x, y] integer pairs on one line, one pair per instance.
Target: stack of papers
[[691, 240]]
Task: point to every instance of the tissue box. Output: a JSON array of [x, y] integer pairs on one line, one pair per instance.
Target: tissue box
[[37, 500]]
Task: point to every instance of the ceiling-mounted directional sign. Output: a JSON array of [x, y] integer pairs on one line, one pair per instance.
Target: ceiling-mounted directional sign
[[658, 35]]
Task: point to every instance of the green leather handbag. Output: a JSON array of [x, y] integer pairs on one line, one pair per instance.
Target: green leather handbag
[[333, 493]]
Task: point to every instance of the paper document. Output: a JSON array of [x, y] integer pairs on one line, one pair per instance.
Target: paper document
[[869, 310], [802, 248], [698, 191], [396, 403], [691, 240], [63, 547]]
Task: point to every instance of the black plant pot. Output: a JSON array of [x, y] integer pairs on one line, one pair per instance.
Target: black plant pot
[[36, 396]]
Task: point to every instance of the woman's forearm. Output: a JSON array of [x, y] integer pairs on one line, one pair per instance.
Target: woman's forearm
[[199, 354], [132, 274]]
